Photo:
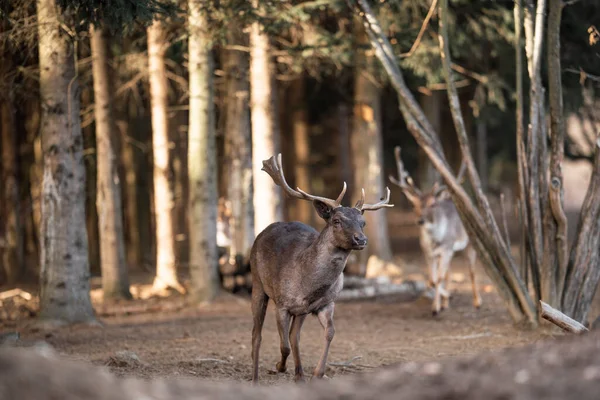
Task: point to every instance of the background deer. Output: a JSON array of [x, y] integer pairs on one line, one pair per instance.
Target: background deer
[[441, 234], [301, 270]]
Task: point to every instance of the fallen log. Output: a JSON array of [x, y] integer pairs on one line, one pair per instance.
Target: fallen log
[[408, 288], [561, 320]]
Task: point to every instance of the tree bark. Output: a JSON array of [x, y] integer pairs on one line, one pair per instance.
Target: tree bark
[[557, 132], [561, 320], [482, 156], [202, 160], [64, 277], [115, 279], [432, 107], [300, 130], [265, 135], [523, 176], [166, 267], [367, 153], [238, 147], [13, 251], [583, 273]]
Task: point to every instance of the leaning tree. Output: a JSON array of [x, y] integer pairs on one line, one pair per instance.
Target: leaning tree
[[564, 278]]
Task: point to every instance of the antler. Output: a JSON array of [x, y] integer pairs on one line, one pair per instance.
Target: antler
[[275, 169], [361, 206], [404, 180]]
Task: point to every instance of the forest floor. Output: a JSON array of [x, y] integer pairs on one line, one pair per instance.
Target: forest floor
[[171, 338]]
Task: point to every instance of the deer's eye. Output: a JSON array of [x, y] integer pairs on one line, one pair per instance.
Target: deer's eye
[[363, 224], [337, 222]]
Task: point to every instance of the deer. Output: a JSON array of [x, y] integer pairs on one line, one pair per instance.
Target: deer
[[301, 269], [441, 234]]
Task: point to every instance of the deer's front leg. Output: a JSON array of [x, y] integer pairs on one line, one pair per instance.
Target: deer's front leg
[[435, 283], [443, 263], [283, 326], [295, 342], [326, 319]]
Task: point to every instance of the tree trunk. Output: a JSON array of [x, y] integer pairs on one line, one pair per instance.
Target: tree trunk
[[64, 277], [129, 195], [166, 267], [344, 155], [115, 280], [482, 157], [202, 160], [367, 152], [300, 130], [432, 107], [12, 252], [557, 134], [265, 135], [238, 147]]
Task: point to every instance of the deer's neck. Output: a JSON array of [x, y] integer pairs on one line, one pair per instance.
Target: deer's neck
[[325, 260]]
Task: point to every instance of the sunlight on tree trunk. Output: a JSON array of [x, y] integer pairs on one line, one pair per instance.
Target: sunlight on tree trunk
[[299, 115], [367, 152], [166, 267], [12, 251], [265, 135], [202, 160], [238, 147], [115, 280], [64, 276]]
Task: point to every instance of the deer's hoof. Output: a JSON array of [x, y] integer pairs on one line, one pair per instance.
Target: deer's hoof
[[299, 379], [434, 313], [281, 368]]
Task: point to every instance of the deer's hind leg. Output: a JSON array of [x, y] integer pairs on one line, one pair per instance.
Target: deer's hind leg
[[259, 309], [446, 288], [283, 326], [472, 256]]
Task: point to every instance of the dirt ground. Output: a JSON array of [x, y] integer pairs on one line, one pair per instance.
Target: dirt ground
[[174, 339]]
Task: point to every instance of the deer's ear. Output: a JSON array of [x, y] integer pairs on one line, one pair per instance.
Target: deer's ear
[[323, 209]]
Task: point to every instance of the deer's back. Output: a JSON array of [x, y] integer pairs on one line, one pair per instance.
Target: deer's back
[[277, 248]]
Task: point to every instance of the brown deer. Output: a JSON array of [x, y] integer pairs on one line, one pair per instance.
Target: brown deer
[[441, 234], [301, 270]]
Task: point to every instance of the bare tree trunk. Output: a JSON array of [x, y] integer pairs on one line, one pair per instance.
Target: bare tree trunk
[[202, 160], [367, 152], [482, 157], [130, 193], [540, 225], [166, 267], [12, 253], [64, 277], [557, 132], [300, 131], [265, 135], [521, 152], [115, 280], [432, 107], [238, 149], [344, 147]]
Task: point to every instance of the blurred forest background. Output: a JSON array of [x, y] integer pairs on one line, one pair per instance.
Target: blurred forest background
[[133, 146]]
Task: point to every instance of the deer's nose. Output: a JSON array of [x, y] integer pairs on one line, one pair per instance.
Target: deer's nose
[[359, 239], [421, 221]]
